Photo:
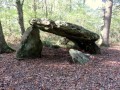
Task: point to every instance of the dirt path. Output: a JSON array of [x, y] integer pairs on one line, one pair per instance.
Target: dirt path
[[54, 72]]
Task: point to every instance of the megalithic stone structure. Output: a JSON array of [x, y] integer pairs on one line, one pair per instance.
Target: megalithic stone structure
[[82, 37]]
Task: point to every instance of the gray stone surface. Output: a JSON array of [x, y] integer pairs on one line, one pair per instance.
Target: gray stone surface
[[31, 45], [78, 56]]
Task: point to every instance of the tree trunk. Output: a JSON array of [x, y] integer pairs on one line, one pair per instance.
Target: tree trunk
[[70, 5], [46, 8], [4, 48], [107, 22], [83, 38], [19, 6], [84, 2], [35, 8]]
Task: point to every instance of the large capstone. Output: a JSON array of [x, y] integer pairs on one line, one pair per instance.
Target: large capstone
[[31, 45], [81, 37], [78, 56]]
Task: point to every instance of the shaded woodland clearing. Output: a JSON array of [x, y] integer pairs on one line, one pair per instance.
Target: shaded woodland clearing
[[54, 72]]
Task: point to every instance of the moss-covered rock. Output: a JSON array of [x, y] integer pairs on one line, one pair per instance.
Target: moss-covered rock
[[78, 57], [31, 45]]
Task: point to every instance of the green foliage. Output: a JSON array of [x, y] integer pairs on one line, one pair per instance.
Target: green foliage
[[115, 27], [67, 10], [47, 43]]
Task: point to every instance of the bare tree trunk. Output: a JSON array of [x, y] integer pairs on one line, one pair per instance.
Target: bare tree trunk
[[2, 39], [46, 8], [19, 6], [70, 5], [84, 2], [51, 8], [4, 48], [107, 22], [35, 8]]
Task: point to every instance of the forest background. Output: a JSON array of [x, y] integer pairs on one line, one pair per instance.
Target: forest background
[[86, 13]]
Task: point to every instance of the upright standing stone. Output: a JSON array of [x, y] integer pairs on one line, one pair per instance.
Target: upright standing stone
[[31, 45]]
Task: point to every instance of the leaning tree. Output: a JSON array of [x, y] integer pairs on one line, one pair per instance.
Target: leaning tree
[[19, 6], [4, 48]]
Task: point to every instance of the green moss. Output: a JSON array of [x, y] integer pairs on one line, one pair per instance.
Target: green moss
[[31, 45]]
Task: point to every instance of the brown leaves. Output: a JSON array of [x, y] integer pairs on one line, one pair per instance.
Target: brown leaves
[[53, 71]]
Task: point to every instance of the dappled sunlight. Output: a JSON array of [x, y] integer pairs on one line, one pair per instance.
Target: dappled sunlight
[[53, 69], [60, 66], [45, 61], [112, 63], [94, 5]]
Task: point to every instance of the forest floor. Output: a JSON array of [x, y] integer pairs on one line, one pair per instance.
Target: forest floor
[[54, 72]]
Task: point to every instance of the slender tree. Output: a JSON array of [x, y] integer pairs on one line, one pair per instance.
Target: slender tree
[[107, 23], [84, 2], [19, 5], [70, 5], [35, 8], [46, 8]]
